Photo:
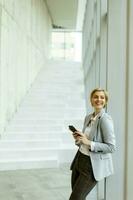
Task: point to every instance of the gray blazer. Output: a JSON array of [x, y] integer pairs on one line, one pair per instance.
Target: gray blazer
[[102, 134]]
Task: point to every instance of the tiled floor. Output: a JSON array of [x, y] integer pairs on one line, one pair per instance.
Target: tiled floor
[[37, 184]]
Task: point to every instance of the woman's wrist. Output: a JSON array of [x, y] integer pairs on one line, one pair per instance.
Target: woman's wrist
[[88, 143]]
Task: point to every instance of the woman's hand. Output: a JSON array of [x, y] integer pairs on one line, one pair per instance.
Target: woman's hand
[[76, 134], [81, 137]]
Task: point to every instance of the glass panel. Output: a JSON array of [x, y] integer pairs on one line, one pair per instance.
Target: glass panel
[[67, 45]]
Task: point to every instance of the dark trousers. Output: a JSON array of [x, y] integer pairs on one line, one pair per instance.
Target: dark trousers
[[82, 179]]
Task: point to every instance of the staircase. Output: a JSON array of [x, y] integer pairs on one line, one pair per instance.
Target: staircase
[[38, 135]]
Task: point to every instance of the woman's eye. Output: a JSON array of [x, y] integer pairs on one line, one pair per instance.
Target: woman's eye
[[96, 97]]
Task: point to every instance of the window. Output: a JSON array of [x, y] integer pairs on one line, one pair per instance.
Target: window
[[66, 45]]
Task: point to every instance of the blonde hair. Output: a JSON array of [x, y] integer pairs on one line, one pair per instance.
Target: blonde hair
[[99, 90]]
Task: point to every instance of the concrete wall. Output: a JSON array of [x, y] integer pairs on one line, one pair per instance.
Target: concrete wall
[[107, 61], [129, 104], [116, 84], [25, 28]]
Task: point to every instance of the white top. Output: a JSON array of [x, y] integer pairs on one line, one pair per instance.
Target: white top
[[83, 147]]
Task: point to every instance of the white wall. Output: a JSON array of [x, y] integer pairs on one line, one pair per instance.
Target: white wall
[[25, 28], [116, 84], [129, 105], [107, 62]]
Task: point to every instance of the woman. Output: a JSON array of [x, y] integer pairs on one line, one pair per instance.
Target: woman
[[96, 142]]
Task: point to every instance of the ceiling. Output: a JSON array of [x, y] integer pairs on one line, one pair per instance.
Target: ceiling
[[64, 13]]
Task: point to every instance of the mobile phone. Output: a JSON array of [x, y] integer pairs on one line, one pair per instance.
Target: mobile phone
[[72, 128]]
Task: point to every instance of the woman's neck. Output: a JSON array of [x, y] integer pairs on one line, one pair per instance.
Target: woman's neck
[[97, 111]]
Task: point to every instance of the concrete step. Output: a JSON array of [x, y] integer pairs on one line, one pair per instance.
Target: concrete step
[[54, 92], [20, 122], [39, 102], [28, 153], [40, 162], [63, 153], [39, 105], [34, 117], [12, 144], [47, 96], [48, 109], [67, 114], [30, 136], [34, 127], [18, 159], [41, 115]]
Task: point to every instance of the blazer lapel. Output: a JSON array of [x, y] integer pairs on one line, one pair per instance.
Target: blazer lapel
[[87, 122], [93, 131]]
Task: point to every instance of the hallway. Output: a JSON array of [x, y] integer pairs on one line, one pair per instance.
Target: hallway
[[39, 98]]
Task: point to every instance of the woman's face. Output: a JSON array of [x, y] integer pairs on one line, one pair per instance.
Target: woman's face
[[98, 100]]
